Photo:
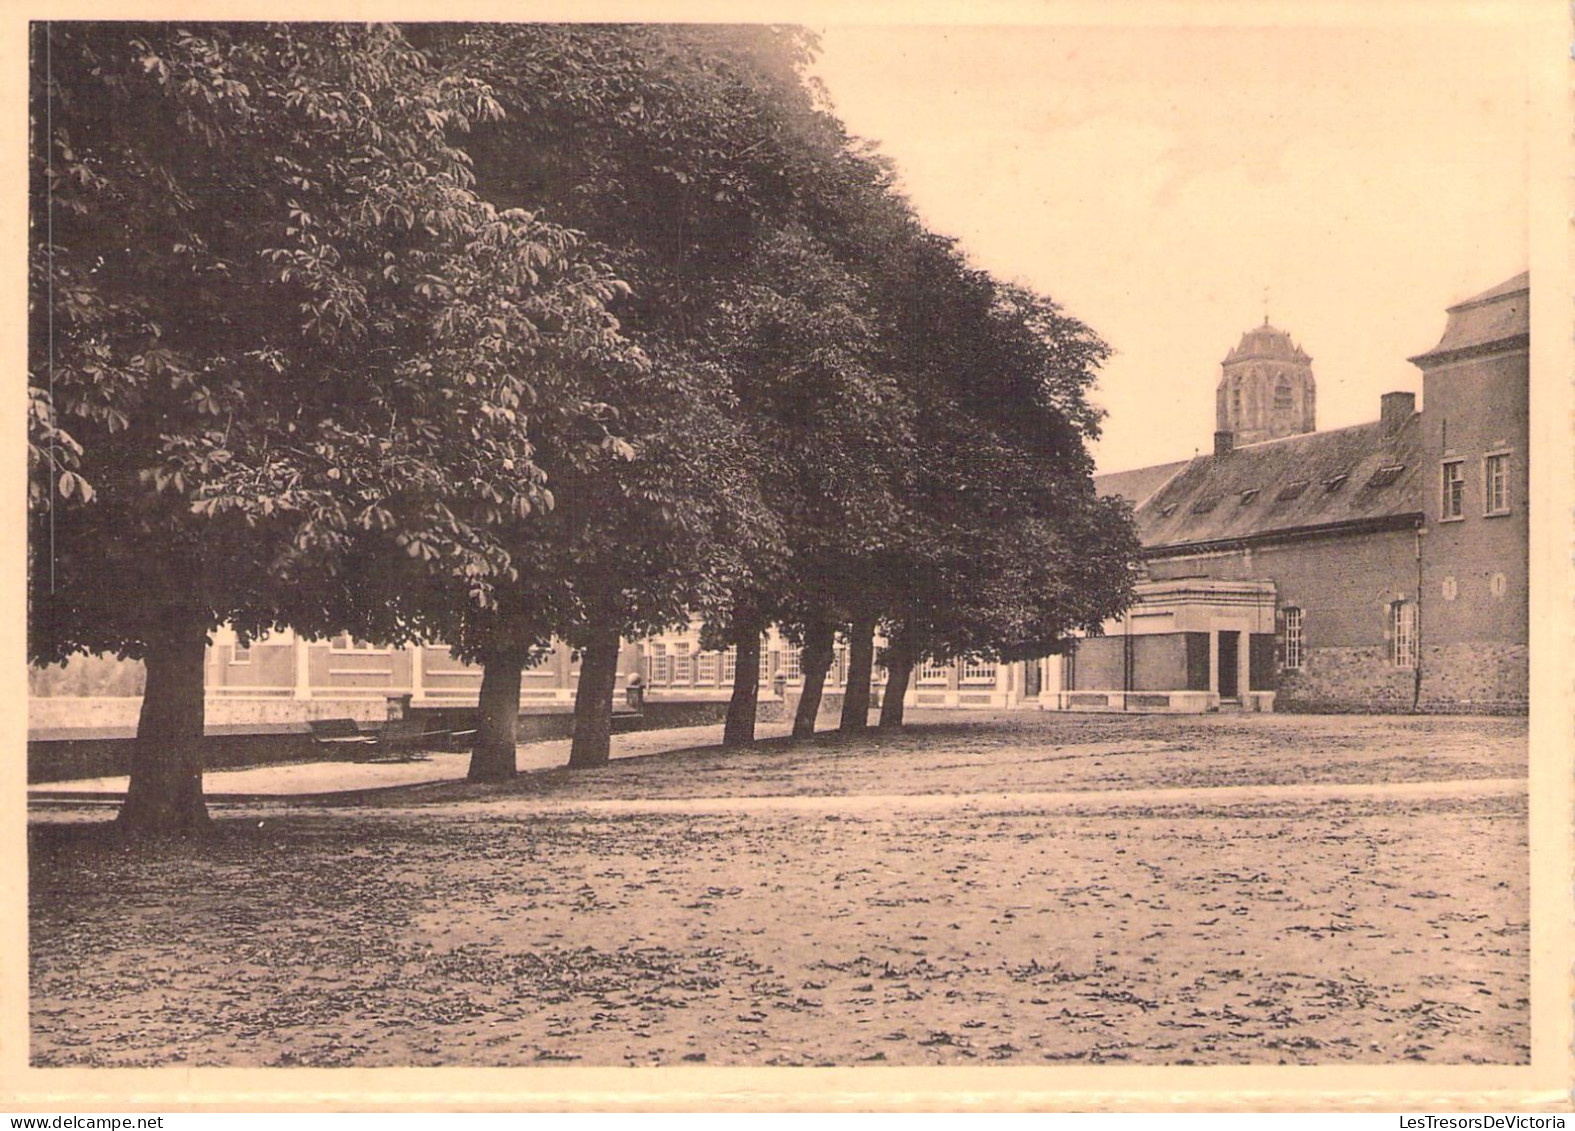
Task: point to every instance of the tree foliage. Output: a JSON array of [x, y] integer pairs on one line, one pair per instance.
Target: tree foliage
[[274, 329], [499, 333]]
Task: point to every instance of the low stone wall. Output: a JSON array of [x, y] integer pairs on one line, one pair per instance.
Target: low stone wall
[[75, 759], [1467, 679], [60, 712], [657, 715], [1347, 681], [56, 713], [62, 757], [1476, 679], [1162, 702], [830, 704]]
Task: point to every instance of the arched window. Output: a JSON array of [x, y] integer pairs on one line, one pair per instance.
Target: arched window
[[1282, 395]]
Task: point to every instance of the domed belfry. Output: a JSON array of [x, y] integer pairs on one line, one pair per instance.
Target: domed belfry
[[1266, 389]]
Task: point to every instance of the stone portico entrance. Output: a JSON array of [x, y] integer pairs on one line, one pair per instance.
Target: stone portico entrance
[[1188, 645]]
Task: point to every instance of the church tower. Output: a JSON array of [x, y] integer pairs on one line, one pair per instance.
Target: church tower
[[1266, 389]]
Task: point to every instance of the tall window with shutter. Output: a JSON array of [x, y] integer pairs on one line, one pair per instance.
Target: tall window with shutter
[[1495, 483], [1452, 504]]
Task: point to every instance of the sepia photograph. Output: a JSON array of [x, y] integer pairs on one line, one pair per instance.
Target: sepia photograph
[[894, 546]]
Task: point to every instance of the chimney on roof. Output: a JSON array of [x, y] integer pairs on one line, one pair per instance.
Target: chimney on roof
[[1395, 409], [1223, 443]]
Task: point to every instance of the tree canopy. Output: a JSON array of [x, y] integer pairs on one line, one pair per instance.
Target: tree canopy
[[496, 334], [272, 320]]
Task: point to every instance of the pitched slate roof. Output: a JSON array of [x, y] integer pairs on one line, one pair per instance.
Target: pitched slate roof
[[1288, 484], [1500, 316], [1138, 484]]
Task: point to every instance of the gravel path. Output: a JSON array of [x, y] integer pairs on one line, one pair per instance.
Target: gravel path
[[1015, 889]]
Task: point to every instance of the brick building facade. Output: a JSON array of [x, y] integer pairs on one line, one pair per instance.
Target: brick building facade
[[1382, 567]]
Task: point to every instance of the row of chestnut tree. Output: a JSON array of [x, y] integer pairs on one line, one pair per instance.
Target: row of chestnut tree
[[495, 334]]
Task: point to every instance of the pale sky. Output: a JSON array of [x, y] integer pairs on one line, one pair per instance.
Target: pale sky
[[1155, 181]]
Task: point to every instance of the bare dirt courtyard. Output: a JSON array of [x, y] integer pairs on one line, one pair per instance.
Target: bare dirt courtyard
[[1019, 888]]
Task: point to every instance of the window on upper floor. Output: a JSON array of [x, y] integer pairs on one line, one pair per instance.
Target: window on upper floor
[[1295, 646], [1402, 634], [241, 654], [1495, 483], [1282, 395], [1452, 496]]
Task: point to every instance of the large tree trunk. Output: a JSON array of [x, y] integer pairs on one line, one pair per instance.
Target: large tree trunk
[[739, 729], [492, 756], [814, 662], [861, 662], [165, 795], [899, 670], [593, 700]]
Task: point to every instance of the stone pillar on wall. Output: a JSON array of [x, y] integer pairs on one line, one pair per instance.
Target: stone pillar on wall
[[417, 670], [302, 652], [1052, 675]]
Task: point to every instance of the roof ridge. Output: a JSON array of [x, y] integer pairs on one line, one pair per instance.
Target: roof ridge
[[1514, 285], [1316, 432]]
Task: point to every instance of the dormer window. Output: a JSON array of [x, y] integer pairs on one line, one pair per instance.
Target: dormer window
[[1167, 510], [1248, 495], [1335, 482], [1386, 475], [1291, 491], [1205, 504]]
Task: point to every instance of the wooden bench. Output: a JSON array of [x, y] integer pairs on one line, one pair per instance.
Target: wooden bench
[[404, 740], [339, 732]]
